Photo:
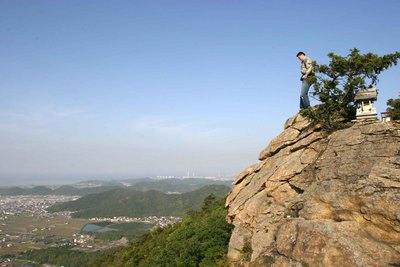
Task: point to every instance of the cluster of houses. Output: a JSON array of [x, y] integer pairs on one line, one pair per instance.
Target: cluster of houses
[[35, 205], [82, 240]]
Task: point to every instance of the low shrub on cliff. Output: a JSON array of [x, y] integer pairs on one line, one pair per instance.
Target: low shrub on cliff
[[337, 83]]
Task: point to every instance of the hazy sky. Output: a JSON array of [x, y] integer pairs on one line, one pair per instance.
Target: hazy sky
[[116, 89]]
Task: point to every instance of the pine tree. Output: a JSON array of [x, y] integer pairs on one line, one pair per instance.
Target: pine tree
[[394, 108], [337, 83]]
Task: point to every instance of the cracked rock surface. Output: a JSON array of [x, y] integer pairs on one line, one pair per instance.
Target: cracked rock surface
[[319, 200]]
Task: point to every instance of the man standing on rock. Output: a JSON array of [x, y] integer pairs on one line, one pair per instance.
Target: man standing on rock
[[307, 72]]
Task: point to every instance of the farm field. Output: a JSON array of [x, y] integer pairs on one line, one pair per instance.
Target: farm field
[[21, 232]]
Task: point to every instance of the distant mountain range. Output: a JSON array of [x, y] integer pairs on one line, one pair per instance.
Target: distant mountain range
[[177, 185], [98, 186], [62, 190], [133, 203]]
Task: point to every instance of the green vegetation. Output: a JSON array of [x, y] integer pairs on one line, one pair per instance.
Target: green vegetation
[[143, 184], [247, 251], [177, 185], [127, 230], [394, 108], [131, 226], [132, 203], [337, 83], [201, 239], [61, 256]]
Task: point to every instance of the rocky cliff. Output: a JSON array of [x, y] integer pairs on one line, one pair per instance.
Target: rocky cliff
[[320, 200]]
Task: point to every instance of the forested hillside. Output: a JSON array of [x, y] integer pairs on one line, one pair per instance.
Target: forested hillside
[[98, 186], [177, 185], [201, 239], [133, 203]]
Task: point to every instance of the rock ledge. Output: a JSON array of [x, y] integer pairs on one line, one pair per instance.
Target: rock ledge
[[319, 200]]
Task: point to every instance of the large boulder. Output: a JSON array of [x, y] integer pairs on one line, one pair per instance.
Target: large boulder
[[315, 199]]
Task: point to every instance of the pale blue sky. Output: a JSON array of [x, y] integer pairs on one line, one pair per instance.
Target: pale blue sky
[[116, 89]]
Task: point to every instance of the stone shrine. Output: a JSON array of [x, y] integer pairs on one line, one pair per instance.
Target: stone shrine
[[364, 99]]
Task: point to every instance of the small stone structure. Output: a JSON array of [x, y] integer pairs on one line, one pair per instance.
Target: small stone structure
[[386, 116], [365, 99]]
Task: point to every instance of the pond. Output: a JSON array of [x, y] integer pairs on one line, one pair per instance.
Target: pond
[[90, 227]]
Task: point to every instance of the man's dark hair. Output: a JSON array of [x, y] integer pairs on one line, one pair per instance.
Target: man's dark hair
[[300, 53]]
